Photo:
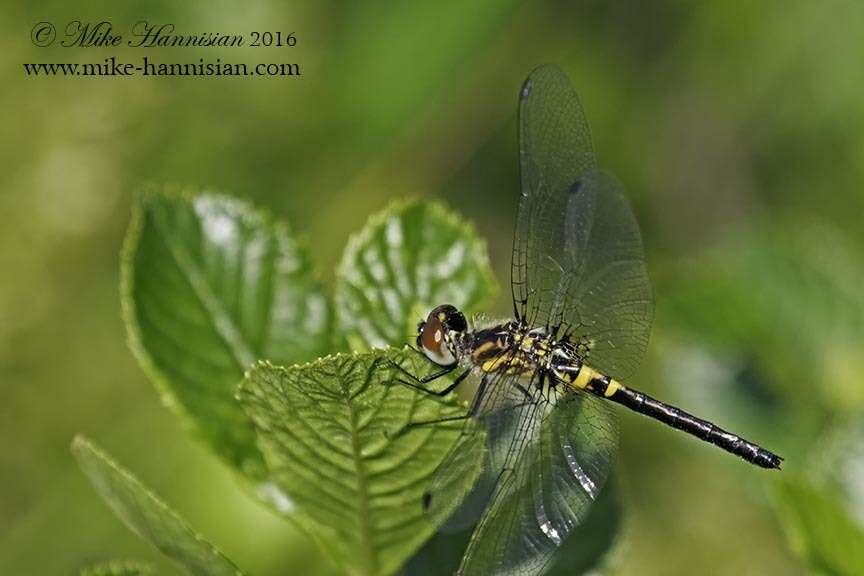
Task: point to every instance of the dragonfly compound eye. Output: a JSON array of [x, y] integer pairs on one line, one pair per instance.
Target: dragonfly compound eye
[[434, 341], [432, 334]]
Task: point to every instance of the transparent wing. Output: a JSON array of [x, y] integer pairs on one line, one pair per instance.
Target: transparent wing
[[578, 263], [555, 151], [546, 491], [603, 299], [450, 503], [491, 439]]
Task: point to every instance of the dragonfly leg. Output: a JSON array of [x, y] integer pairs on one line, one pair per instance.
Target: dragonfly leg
[[418, 424], [424, 379], [475, 404], [418, 383], [428, 378], [472, 410], [411, 425], [523, 390]]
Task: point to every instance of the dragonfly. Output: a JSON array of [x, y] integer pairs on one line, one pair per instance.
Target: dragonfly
[[548, 378]]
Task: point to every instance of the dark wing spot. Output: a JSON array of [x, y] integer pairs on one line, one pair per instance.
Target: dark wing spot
[[427, 500]]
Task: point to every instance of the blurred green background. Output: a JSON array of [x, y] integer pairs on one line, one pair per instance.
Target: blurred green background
[[738, 132]]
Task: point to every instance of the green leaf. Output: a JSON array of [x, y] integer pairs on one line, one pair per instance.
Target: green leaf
[[407, 259], [148, 516], [819, 529], [211, 285], [334, 438], [118, 568]]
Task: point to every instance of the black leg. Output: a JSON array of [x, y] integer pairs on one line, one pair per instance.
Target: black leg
[[412, 425], [435, 376], [472, 410], [475, 404], [523, 391], [426, 379]]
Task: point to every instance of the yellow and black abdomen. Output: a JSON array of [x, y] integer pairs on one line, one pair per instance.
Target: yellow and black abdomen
[[582, 377], [585, 378]]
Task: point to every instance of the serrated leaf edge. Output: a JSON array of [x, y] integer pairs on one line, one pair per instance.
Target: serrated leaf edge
[[134, 339], [397, 207]]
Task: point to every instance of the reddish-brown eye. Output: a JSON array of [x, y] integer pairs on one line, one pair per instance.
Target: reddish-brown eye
[[433, 334]]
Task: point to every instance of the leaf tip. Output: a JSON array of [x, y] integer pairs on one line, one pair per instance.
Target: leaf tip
[[79, 444]]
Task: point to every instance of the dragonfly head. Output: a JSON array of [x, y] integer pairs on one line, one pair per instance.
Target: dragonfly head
[[435, 335]]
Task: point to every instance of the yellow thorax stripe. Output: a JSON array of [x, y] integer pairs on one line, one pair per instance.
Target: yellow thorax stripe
[[493, 365]]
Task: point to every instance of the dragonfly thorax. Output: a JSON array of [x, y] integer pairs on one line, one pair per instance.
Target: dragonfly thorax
[[515, 348]]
